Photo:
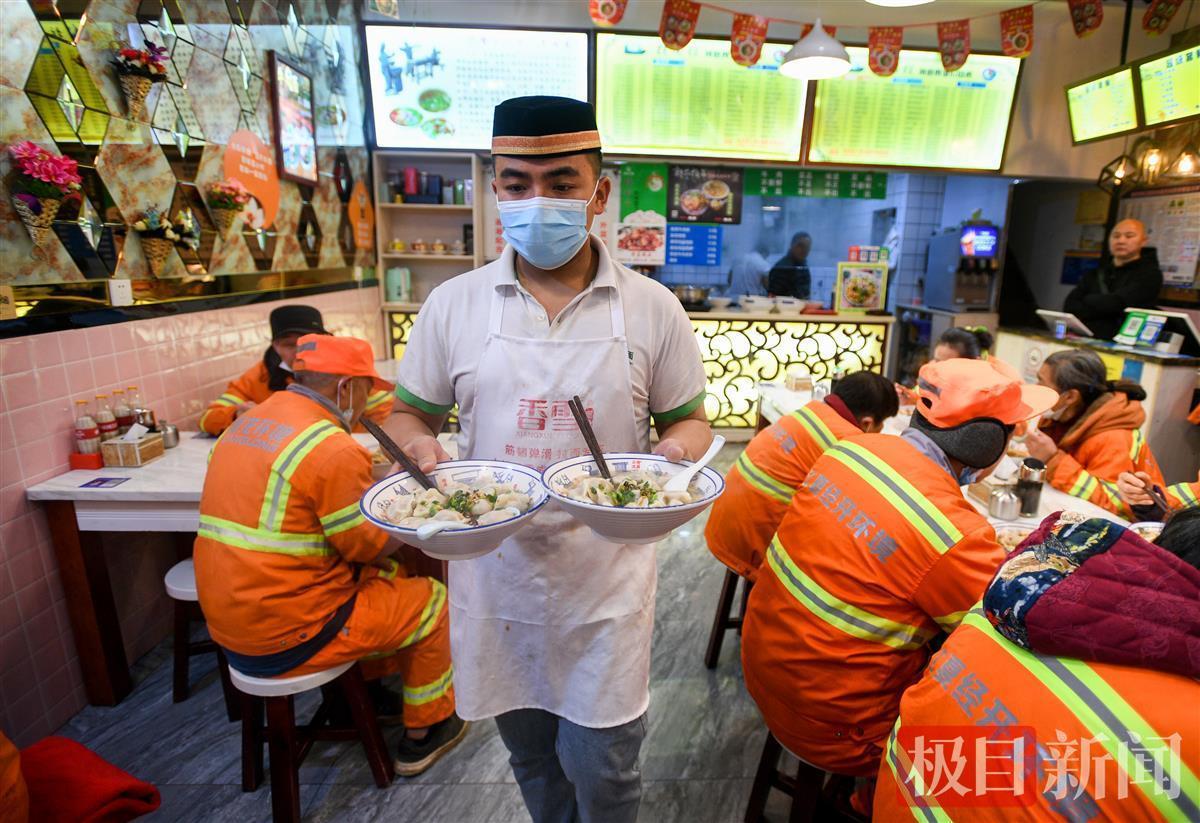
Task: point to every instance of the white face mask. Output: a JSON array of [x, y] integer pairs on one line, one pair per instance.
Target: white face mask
[[346, 414]]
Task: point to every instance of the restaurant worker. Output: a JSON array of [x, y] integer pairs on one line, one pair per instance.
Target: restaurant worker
[[1086, 640], [790, 277], [1130, 278], [551, 632], [274, 372], [1093, 433], [760, 486], [877, 553], [292, 578]]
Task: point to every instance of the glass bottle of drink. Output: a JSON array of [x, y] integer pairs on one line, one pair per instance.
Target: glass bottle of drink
[[105, 419], [134, 398], [87, 432], [121, 410]]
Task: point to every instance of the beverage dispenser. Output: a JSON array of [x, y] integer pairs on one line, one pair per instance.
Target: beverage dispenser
[[962, 268]]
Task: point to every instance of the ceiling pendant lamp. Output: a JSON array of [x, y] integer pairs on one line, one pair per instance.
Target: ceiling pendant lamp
[[1187, 164], [1119, 175], [815, 57], [896, 4]]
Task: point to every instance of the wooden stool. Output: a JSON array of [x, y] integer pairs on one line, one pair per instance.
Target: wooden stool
[[805, 788], [288, 744], [722, 621], [181, 586]]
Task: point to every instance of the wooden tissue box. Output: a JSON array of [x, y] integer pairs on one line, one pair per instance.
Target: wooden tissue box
[[120, 453]]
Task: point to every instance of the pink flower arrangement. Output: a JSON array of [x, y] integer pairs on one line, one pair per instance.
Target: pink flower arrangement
[[227, 194], [42, 174], [150, 63]]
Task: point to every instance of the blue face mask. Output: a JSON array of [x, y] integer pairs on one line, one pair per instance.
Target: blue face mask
[[969, 475], [546, 231]]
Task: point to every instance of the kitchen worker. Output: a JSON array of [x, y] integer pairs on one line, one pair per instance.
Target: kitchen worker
[[790, 276], [760, 486], [749, 273], [292, 578], [551, 632], [1129, 277], [1084, 645], [274, 372], [1093, 433], [878, 553]]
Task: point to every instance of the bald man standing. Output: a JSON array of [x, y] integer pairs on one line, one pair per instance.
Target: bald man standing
[[1130, 277]]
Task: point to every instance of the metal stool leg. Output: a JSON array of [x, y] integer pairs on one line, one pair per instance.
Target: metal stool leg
[[721, 619], [806, 793]]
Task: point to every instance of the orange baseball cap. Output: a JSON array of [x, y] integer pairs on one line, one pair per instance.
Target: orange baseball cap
[[955, 391], [346, 356]]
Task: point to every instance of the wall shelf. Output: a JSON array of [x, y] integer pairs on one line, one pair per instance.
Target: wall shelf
[[431, 258], [428, 208]]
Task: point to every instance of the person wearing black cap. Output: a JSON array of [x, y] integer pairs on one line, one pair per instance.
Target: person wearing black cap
[[274, 373], [550, 633]]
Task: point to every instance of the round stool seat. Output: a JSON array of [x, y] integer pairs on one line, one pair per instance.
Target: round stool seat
[[283, 686], [181, 581]]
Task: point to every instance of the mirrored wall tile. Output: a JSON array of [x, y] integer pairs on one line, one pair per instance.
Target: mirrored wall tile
[[134, 169], [106, 31], [21, 39]]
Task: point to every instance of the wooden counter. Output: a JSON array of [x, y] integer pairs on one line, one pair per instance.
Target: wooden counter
[[741, 349]]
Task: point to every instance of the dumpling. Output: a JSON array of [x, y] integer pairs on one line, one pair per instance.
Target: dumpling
[[451, 515], [431, 496], [497, 516], [676, 498], [513, 500], [481, 506]]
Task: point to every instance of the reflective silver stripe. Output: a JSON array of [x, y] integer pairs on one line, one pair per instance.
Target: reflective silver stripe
[[245, 537], [279, 482]]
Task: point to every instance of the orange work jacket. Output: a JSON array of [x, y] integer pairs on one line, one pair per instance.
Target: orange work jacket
[[981, 679], [1184, 495], [763, 480], [280, 529], [1105, 441], [252, 387], [877, 552], [14, 797]]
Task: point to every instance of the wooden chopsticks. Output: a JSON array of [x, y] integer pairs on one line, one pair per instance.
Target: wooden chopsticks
[[589, 435], [394, 452]]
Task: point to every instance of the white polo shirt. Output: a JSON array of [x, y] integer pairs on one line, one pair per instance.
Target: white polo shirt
[[440, 363]]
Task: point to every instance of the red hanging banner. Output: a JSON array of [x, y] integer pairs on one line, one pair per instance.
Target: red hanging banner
[[1159, 15], [1016, 31], [746, 40], [954, 42], [807, 27], [607, 12], [678, 23], [883, 49], [1086, 16]]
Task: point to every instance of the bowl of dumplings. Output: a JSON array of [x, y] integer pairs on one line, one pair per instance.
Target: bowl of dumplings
[[633, 507], [482, 502]]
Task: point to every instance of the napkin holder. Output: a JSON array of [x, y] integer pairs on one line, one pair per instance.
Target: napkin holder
[[132, 453]]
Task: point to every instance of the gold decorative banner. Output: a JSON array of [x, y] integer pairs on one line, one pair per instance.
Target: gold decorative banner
[[678, 23], [1086, 16]]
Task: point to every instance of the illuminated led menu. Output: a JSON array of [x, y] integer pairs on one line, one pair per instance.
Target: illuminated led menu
[[1102, 107], [695, 102], [1171, 86], [921, 116]]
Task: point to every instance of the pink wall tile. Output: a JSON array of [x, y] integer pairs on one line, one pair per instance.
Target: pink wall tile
[[180, 363]]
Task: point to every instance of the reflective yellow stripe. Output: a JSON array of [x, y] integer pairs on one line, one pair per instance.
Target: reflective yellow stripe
[[342, 520], [923, 807], [420, 695], [228, 399], [815, 426], [762, 481], [377, 399], [1084, 485], [1135, 448], [837, 613], [279, 485], [911, 504], [262, 540], [1112, 722], [950, 621], [1113, 494], [1185, 494], [429, 616]]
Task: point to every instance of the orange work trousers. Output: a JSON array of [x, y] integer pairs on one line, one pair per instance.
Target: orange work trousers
[[399, 626]]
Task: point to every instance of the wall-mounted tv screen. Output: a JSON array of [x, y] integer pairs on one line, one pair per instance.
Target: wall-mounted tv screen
[[695, 102], [435, 88], [1102, 107], [1171, 86], [922, 116]]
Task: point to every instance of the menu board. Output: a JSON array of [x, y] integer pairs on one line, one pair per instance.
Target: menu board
[[1171, 86], [849, 185], [921, 116], [695, 102], [1172, 219], [436, 88], [1102, 107], [704, 194]]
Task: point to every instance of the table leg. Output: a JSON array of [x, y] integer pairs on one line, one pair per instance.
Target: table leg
[[90, 606]]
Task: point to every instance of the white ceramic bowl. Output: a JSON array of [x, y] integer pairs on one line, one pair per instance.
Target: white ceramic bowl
[[1148, 530], [630, 525], [755, 302], [456, 544], [790, 305], [720, 302]]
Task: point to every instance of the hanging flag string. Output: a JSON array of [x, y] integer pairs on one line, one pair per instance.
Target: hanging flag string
[[790, 22]]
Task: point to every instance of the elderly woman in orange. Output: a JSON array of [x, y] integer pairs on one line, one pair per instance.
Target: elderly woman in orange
[[274, 373], [1093, 433]]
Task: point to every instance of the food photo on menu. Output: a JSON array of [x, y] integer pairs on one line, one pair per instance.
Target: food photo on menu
[[705, 194]]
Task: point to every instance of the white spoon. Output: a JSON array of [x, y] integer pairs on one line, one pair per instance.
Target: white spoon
[[680, 480], [428, 530]]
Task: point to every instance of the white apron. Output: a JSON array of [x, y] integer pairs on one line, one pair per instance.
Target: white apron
[[556, 618]]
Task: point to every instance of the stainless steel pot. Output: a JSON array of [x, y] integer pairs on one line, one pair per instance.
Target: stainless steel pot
[[170, 433], [690, 294]]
